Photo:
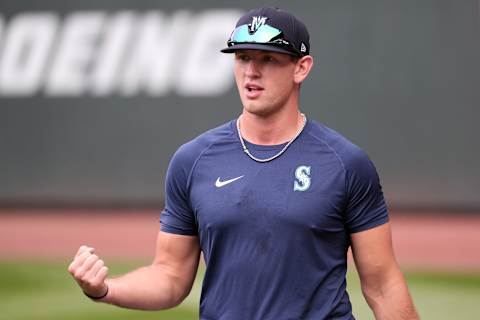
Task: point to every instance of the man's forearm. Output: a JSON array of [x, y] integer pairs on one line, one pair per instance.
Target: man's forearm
[[146, 288], [391, 300]]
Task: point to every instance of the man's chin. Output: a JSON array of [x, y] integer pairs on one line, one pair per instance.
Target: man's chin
[[260, 111]]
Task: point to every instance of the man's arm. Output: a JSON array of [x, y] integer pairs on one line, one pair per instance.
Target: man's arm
[[161, 285], [383, 284]]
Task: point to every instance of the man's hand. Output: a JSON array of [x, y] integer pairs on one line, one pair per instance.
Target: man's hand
[[160, 285], [90, 272]]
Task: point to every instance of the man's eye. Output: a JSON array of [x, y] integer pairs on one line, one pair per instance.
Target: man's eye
[[268, 59], [243, 58]]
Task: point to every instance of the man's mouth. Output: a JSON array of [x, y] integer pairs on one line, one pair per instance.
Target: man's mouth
[[253, 87]]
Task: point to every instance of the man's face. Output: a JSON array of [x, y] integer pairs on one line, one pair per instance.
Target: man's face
[[265, 80]]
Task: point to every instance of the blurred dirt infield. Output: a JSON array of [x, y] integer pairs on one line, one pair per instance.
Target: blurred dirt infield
[[422, 242]]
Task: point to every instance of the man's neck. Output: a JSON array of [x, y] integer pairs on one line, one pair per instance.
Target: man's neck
[[273, 129]]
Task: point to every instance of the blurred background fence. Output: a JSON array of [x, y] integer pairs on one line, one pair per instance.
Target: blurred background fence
[[96, 95]]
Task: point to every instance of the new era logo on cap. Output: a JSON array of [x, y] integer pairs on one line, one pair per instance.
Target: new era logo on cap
[[303, 48]]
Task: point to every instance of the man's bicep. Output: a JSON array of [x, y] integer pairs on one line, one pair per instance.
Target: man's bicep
[[383, 284], [373, 252], [178, 256]]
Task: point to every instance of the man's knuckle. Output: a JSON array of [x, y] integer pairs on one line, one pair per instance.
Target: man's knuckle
[[86, 279], [71, 270]]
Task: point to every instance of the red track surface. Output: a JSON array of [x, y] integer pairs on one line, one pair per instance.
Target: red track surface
[[427, 242]]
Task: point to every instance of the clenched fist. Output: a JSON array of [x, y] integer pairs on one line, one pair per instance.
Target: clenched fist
[[90, 272]]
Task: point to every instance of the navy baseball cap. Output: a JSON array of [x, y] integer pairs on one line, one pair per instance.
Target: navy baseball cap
[[270, 29]]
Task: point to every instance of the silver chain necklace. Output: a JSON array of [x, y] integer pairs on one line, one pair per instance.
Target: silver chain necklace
[[245, 149]]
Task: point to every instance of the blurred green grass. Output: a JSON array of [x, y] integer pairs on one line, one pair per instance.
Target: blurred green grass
[[45, 290]]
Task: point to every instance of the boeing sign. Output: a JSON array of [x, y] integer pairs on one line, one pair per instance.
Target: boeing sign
[[124, 53]]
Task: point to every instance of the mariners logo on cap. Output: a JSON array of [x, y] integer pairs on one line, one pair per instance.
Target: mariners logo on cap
[[257, 22]]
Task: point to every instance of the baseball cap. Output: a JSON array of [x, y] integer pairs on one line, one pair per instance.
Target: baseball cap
[[270, 29]]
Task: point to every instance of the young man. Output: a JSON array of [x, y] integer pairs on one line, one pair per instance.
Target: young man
[[273, 201]]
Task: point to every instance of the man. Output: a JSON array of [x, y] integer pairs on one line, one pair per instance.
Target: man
[[273, 201]]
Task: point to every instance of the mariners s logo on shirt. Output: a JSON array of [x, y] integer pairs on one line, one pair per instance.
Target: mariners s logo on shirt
[[302, 178]]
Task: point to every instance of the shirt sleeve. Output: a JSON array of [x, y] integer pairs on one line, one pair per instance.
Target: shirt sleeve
[[177, 217], [366, 206]]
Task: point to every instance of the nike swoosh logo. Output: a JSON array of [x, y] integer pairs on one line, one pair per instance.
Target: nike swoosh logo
[[220, 184]]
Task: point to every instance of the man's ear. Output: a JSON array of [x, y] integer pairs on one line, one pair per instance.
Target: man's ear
[[302, 68]]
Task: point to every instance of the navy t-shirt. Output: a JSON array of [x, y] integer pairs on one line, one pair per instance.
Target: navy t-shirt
[[274, 235]]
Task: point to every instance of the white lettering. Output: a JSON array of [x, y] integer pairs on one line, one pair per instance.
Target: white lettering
[[76, 50], [111, 52], [257, 22], [206, 71], [153, 62], [302, 175], [125, 52], [27, 43]]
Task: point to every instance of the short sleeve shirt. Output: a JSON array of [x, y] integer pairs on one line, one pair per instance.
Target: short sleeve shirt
[[274, 235]]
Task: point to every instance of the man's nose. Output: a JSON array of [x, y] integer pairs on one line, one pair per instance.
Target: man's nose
[[252, 69]]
